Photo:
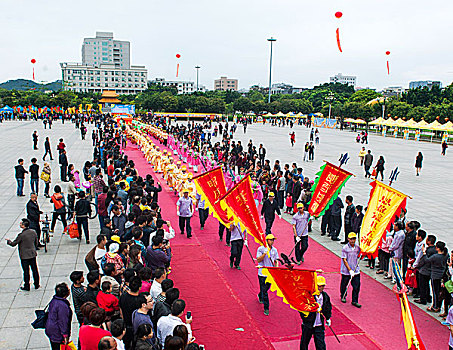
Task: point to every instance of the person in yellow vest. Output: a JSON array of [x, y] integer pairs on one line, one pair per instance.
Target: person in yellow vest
[[169, 170], [161, 163], [173, 176], [156, 157], [182, 177], [190, 186], [165, 162]]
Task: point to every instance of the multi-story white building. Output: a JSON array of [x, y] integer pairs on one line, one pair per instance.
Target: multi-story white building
[[344, 79], [105, 66], [103, 49], [424, 83], [183, 87], [82, 78]]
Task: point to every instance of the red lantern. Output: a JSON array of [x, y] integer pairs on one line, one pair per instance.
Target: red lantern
[[338, 14]]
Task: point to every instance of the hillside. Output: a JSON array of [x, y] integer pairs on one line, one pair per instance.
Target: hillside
[[24, 84]]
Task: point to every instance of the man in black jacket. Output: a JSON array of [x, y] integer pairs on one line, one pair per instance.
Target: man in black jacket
[[83, 211], [424, 271], [63, 160], [409, 243], [270, 206], [34, 176], [33, 215], [348, 213], [261, 154], [20, 177], [335, 219], [313, 323], [47, 149], [27, 241], [297, 190]]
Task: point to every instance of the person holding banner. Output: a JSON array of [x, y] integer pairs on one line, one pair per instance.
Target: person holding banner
[[300, 228], [266, 257], [313, 322], [185, 208], [350, 270], [237, 241]]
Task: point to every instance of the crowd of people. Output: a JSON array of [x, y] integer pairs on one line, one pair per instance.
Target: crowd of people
[[129, 301]]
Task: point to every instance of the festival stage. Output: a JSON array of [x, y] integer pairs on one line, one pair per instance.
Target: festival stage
[[224, 303]]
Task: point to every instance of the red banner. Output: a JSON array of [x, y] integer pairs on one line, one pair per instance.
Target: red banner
[[327, 187], [295, 286], [211, 187], [240, 204]]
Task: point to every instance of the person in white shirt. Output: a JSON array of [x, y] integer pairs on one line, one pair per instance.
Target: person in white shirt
[[266, 257], [118, 331], [156, 287], [100, 250], [167, 324]]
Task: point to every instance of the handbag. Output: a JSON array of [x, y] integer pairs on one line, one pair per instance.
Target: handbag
[[41, 318], [73, 230], [69, 346], [374, 173], [449, 286], [44, 176]]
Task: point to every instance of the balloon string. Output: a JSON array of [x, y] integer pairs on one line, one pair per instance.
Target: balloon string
[[388, 68], [177, 70], [338, 40], [33, 73]]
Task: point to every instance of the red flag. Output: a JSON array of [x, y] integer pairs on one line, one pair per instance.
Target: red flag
[[295, 286], [240, 204], [327, 187], [211, 187]]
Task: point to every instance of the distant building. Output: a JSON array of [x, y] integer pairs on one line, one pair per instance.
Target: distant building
[[285, 89], [392, 91], [183, 87], [81, 78], [226, 84], [344, 79], [105, 66], [424, 83]]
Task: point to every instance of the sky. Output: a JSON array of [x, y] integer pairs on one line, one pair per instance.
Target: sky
[[228, 38]]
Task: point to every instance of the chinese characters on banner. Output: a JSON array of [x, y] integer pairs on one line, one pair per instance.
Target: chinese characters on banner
[[240, 204], [295, 286], [211, 187], [383, 204], [327, 187]]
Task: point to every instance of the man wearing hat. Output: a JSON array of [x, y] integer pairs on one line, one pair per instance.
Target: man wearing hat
[[266, 257], [300, 229], [268, 210], [313, 322], [184, 207], [350, 270]]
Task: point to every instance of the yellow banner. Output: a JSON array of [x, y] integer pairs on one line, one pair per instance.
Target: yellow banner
[[382, 206]]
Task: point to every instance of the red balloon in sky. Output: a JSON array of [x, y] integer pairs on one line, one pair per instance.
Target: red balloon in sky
[[387, 53], [338, 14], [178, 55], [33, 61]]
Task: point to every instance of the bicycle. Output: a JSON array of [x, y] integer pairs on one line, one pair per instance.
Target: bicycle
[[45, 232], [94, 212]]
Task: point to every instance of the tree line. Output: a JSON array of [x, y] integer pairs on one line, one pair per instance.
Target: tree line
[[345, 101]]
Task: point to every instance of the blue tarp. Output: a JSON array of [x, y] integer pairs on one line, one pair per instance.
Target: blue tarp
[[6, 109]]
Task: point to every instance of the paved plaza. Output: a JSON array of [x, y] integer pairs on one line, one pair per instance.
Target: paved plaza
[[431, 197]]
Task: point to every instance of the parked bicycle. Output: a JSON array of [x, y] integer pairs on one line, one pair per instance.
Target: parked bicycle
[[45, 232]]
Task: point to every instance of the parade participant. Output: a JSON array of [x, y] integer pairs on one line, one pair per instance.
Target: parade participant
[[270, 207], [185, 208], [313, 322], [203, 211], [190, 186], [350, 270], [182, 178], [168, 171], [266, 257], [238, 240], [300, 228]]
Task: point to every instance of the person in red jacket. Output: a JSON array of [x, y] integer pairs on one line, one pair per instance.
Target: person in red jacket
[[106, 300]]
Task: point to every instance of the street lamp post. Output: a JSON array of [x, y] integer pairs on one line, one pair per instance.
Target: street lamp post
[[270, 69], [197, 68], [330, 98]]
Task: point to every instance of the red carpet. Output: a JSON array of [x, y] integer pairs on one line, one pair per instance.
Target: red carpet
[[375, 326]]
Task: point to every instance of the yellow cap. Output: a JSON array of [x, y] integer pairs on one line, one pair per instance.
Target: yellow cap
[[271, 194], [270, 236], [320, 281], [183, 167], [190, 175], [185, 190], [116, 238], [178, 162], [352, 235], [300, 205]]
